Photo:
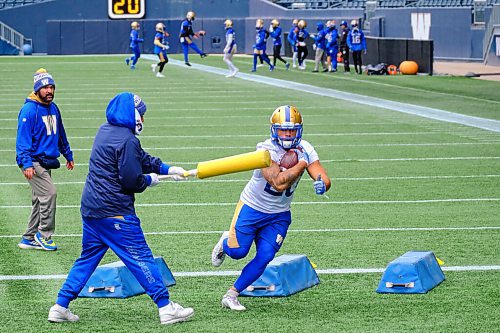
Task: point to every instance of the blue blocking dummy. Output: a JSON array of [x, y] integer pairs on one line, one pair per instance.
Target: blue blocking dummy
[[115, 280], [284, 276], [415, 272]]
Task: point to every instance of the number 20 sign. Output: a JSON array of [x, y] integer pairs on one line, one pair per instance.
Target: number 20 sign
[[126, 9]]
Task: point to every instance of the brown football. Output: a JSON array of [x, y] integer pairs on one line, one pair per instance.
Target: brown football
[[289, 160]]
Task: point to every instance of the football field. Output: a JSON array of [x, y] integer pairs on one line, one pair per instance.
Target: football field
[[400, 182]]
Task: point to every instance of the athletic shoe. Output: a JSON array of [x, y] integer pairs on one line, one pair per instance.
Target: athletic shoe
[[46, 244], [127, 60], [333, 70], [188, 64], [232, 74], [260, 65], [287, 66], [174, 313], [294, 66], [253, 70], [218, 254], [132, 66], [325, 70], [153, 67], [58, 314], [159, 75], [203, 55], [230, 300], [315, 71], [271, 68], [27, 244]]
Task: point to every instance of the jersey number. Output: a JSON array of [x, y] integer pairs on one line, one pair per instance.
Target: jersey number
[[50, 124], [288, 192]]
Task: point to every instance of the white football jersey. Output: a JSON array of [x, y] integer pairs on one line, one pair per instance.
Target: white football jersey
[[260, 195]]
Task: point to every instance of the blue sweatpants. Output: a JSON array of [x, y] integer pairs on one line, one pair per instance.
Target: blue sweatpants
[[124, 236], [137, 54], [268, 231], [185, 50]]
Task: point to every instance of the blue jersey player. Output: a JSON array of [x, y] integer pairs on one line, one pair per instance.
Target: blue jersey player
[[292, 39], [263, 213], [275, 33], [230, 48], [302, 35], [186, 36], [134, 44], [332, 46], [119, 168], [357, 43], [160, 49], [259, 48]]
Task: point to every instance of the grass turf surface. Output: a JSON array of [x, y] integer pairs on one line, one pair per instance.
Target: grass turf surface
[[373, 155]]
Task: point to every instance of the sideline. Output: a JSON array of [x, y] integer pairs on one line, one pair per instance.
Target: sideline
[[421, 111]]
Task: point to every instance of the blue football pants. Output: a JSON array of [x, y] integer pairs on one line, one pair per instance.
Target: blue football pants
[[125, 237]]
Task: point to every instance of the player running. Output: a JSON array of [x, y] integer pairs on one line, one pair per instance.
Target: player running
[[160, 49], [134, 44], [186, 36], [259, 48], [263, 213]]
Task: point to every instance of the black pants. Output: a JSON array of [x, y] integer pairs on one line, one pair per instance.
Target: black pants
[[356, 56], [302, 53], [276, 54], [345, 56]]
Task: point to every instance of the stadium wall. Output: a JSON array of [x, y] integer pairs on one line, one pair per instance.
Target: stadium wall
[[451, 29]]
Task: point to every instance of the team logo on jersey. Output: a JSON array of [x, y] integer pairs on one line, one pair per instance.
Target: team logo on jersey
[[279, 239], [117, 226]]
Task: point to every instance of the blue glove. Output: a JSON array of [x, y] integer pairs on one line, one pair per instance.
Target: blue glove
[[319, 186]]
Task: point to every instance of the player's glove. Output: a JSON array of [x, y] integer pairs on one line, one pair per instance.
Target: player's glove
[[177, 173], [152, 179], [314, 47], [319, 186]]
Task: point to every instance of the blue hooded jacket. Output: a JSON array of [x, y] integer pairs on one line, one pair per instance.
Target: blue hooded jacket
[[40, 132], [117, 164]]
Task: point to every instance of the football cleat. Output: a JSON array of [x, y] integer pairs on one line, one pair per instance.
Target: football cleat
[[159, 75], [188, 64], [287, 66], [132, 66], [203, 55], [253, 70], [127, 60], [271, 68], [46, 244], [218, 254], [230, 300], [27, 244], [174, 313], [58, 314]]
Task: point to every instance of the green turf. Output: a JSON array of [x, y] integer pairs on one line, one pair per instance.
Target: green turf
[[377, 158]]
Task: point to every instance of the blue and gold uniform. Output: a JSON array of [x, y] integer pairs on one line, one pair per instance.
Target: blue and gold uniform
[[134, 45], [160, 49], [275, 33], [259, 48], [186, 36]]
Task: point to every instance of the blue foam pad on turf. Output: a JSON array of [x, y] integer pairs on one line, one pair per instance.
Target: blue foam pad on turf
[[415, 272], [284, 276], [115, 280]]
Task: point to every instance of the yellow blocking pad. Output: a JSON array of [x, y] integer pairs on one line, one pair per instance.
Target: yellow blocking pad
[[237, 163]]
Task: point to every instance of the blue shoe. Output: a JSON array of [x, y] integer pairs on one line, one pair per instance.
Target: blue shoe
[[45, 244], [127, 60], [27, 244], [253, 70], [132, 66], [271, 68], [287, 66]]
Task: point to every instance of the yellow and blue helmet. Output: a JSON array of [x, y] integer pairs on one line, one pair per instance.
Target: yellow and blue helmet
[[286, 117]]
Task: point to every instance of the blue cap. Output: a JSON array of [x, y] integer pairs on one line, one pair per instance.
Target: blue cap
[[139, 105], [344, 23], [42, 79]]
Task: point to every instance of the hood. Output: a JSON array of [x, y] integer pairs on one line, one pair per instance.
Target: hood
[[33, 98], [121, 111], [320, 26]]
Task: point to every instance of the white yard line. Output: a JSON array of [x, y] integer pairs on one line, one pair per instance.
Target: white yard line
[[324, 202], [218, 232], [328, 271], [336, 179], [417, 110]]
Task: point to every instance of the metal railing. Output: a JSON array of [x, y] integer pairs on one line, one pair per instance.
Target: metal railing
[[13, 37], [492, 25]]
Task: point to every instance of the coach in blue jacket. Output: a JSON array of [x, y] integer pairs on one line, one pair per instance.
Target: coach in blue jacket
[[41, 139], [119, 168]]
